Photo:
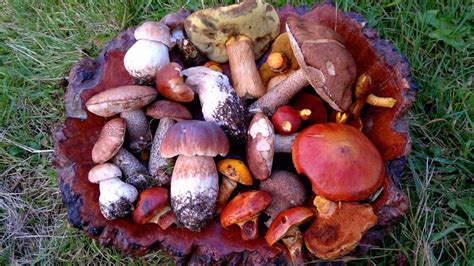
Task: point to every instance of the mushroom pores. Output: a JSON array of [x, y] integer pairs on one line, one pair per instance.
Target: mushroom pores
[[340, 161]]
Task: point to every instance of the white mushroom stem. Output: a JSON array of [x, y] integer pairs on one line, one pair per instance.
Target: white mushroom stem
[[139, 135], [145, 58], [283, 143], [134, 171], [226, 188], [159, 167], [116, 198], [245, 76]]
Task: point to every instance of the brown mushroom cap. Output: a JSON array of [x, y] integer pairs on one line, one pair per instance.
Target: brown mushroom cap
[[260, 146], [194, 137], [340, 161], [245, 206], [209, 29], [113, 101], [170, 83], [153, 204], [103, 172], [168, 109], [110, 140], [285, 220], [153, 31], [337, 235], [327, 65]]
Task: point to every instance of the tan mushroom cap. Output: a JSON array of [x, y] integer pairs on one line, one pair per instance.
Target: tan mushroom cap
[[110, 140], [332, 71], [168, 109], [121, 99], [153, 31], [103, 172], [210, 29]]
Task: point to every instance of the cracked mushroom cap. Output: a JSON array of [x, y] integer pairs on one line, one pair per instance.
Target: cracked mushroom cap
[[168, 109], [103, 172], [153, 31], [113, 101], [285, 220], [194, 137], [327, 65], [209, 29], [110, 140], [245, 206], [153, 207], [260, 146], [340, 161]]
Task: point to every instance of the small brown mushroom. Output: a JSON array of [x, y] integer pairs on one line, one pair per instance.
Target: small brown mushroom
[[110, 140], [285, 228], [233, 171], [240, 33], [170, 83], [134, 171], [153, 207], [244, 210], [338, 228], [325, 64]]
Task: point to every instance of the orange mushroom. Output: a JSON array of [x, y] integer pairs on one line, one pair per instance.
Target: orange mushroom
[[233, 171], [153, 207]]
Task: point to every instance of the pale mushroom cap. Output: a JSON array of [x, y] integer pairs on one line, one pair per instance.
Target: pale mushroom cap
[[116, 198], [110, 140], [210, 29], [153, 31], [113, 101], [103, 172], [145, 58]]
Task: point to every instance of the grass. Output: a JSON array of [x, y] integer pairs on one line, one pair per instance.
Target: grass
[[40, 40]]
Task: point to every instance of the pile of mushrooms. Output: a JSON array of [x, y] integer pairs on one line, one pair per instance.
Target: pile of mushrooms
[[186, 168]]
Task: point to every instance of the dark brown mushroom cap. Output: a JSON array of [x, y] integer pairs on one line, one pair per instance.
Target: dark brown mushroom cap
[[327, 65], [151, 202], [175, 19], [245, 206], [285, 220], [153, 31], [194, 137], [110, 140], [113, 101], [169, 109]]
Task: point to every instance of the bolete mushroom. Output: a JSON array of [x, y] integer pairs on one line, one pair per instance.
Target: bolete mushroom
[[233, 171], [116, 197], [219, 102], [244, 210], [153, 207], [194, 183], [150, 52], [110, 140], [167, 112], [337, 228], [285, 228], [138, 130], [287, 191], [325, 65], [341, 162], [286, 120], [238, 33], [170, 84], [134, 171]]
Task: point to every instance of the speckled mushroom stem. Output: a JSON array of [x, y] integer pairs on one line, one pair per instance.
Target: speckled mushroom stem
[[226, 188], [294, 242], [283, 143], [281, 93], [159, 167], [245, 77], [139, 135], [134, 171]]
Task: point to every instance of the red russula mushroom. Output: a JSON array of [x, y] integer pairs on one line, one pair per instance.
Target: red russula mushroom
[[153, 207], [286, 120]]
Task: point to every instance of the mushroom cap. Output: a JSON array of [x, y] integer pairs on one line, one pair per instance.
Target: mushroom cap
[[175, 19], [341, 162], [110, 140], [103, 172], [113, 101], [286, 220], [235, 170], [209, 29], [151, 202], [305, 100], [168, 109], [153, 31], [170, 83], [327, 65], [194, 137], [145, 58], [260, 146], [245, 206], [337, 235]]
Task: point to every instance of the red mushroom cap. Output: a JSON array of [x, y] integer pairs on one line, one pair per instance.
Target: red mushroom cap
[[286, 120], [305, 100], [153, 202], [286, 220], [245, 206], [170, 83], [341, 162]]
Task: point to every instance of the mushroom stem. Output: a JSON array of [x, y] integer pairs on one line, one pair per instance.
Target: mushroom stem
[[293, 240], [381, 101], [305, 114], [159, 167], [249, 228], [362, 89], [283, 143], [245, 78], [226, 188], [278, 62], [281, 93], [134, 171], [325, 207], [138, 129]]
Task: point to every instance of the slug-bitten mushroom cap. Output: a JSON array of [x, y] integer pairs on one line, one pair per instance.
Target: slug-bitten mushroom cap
[[336, 234], [153, 31], [194, 190], [103, 172], [168, 109], [332, 72], [341, 162], [285, 220], [170, 83], [110, 140], [209, 29], [194, 137], [287, 191], [260, 146], [153, 207], [235, 170], [113, 101], [116, 198]]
